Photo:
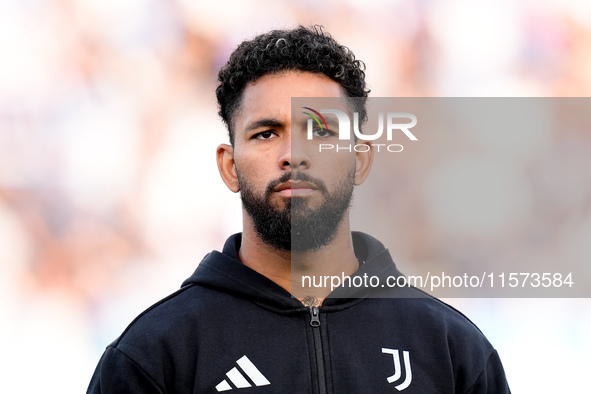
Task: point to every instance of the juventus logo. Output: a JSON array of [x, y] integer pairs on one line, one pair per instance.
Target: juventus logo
[[397, 370]]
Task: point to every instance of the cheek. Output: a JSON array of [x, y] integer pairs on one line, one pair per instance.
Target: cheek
[[252, 155], [334, 164], [253, 168], [337, 172]]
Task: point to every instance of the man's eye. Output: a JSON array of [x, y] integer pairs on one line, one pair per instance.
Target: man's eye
[[323, 133], [265, 135]]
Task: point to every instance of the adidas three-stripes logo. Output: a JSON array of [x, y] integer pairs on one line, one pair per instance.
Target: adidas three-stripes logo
[[238, 379]]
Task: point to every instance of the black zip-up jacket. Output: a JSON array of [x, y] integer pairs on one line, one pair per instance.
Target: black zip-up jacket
[[230, 329]]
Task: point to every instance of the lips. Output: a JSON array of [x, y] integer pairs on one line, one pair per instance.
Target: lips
[[295, 189], [295, 185]]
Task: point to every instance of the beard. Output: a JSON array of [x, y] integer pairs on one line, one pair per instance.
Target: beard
[[297, 227]]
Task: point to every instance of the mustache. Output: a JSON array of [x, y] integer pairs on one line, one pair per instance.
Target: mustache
[[295, 176]]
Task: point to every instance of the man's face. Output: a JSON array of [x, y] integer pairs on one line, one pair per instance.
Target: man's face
[[295, 195]]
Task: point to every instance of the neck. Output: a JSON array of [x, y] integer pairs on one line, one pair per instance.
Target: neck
[[288, 269]]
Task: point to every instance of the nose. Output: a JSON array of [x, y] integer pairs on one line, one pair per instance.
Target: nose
[[294, 155]]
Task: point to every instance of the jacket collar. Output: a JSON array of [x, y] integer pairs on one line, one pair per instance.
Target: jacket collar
[[223, 271]]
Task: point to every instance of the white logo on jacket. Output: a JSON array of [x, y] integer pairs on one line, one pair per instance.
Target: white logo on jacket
[[238, 379], [397, 370]]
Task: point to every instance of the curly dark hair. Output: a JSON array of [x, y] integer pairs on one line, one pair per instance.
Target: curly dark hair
[[300, 49]]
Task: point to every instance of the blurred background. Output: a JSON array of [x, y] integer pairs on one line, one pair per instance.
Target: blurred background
[[110, 196]]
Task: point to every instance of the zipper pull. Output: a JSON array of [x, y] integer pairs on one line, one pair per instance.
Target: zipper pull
[[315, 321]]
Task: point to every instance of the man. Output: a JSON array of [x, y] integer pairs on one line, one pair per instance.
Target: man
[[234, 325]]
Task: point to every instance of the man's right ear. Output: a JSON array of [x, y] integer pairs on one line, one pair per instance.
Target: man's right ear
[[226, 166]]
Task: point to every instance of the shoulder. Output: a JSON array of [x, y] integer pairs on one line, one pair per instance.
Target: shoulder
[[419, 308], [174, 316], [429, 324], [433, 309], [143, 358], [171, 326], [162, 341]]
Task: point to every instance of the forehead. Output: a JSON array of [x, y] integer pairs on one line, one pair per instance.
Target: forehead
[[270, 95]]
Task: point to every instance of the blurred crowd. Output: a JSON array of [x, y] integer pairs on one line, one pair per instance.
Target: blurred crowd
[[109, 191]]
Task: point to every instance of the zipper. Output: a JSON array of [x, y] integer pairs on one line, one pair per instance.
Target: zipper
[[315, 323]]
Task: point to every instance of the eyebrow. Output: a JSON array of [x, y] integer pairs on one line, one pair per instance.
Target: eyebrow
[[331, 121], [265, 122]]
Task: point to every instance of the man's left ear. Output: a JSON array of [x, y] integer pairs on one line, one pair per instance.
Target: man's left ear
[[363, 164]]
